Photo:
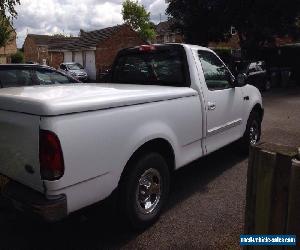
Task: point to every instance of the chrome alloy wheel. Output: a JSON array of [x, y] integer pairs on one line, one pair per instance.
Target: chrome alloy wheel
[[254, 133], [149, 190]]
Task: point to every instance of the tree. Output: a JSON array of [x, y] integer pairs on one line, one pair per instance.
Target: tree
[[7, 14], [17, 57], [8, 6], [197, 21], [5, 31], [256, 21], [138, 18]]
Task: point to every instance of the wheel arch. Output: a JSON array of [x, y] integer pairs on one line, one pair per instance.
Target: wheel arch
[[259, 110], [158, 145]]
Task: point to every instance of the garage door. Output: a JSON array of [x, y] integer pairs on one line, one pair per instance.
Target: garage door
[[68, 57], [90, 64], [78, 57]]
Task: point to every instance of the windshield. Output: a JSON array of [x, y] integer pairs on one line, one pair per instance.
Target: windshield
[[159, 67], [75, 66]]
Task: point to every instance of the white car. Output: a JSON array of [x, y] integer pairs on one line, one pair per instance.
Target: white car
[[66, 147]]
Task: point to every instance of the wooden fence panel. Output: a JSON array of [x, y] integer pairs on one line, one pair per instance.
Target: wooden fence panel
[[272, 187]]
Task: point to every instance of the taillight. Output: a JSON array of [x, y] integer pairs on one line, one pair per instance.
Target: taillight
[[51, 156]]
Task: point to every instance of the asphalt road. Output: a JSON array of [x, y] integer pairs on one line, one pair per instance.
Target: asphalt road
[[205, 210]]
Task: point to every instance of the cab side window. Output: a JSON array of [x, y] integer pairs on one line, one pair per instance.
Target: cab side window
[[215, 72]]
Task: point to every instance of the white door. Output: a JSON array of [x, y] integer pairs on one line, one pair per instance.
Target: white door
[[90, 64], [224, 103], [78, 57], [67, 57]]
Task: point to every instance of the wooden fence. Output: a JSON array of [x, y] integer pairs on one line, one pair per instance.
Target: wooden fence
[[273, 191]]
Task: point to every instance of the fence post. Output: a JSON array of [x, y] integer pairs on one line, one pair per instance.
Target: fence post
[[293, 221]]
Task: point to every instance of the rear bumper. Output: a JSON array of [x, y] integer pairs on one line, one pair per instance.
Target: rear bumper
[[27, 200]]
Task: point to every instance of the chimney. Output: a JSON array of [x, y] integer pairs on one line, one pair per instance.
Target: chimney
[[81, 32]]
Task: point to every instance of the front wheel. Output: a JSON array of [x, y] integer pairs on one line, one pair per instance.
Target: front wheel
[[253, 132], [144, 190]]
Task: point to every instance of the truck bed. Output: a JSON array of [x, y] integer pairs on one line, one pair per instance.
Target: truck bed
[[67, 99]]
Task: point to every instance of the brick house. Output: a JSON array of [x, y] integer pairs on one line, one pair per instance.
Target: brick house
[[232, 45], [165, 33], [37, 48], [95, 50], [9, 49]]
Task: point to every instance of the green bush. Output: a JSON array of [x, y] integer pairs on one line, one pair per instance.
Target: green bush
[[225, 54], [18, 57]]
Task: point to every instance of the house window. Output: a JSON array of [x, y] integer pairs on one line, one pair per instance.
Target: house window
[[43, 49], [173, 38], [2, 60], [165, 38], [233, 31]]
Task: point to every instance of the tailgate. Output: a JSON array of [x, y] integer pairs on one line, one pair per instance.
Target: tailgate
[[19, 148]]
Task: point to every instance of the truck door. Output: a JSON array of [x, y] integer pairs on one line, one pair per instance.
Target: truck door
[[224, 103]]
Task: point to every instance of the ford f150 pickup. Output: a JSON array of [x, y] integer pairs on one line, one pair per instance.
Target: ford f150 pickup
[[67, 147]]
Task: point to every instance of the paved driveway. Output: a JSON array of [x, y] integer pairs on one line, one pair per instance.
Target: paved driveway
[[205, 210]]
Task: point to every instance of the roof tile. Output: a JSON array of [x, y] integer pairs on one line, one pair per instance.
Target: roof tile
[[86, 39]]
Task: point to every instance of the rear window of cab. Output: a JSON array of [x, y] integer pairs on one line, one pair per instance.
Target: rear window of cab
[[150, 65]]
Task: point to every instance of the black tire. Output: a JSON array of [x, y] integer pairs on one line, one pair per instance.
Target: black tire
[[131, 191], [251, 137]]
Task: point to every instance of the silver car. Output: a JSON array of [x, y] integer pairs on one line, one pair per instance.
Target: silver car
[[76, 70]]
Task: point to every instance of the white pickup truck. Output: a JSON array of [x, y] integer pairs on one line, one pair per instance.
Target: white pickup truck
[[66, 147]]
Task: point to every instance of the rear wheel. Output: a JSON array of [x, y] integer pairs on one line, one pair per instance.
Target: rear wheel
[[144, 190]]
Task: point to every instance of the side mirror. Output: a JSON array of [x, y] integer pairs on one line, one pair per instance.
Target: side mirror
[[231, 79], [241, 80]]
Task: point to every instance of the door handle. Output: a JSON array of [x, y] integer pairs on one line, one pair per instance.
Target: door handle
[[211, 106]]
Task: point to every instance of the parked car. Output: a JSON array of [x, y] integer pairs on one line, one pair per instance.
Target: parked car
[[69, 146], [76, 70], [103, 75], [16, 75], [256, 74]]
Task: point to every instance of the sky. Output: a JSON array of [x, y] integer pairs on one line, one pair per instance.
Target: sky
[[69, 16]]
